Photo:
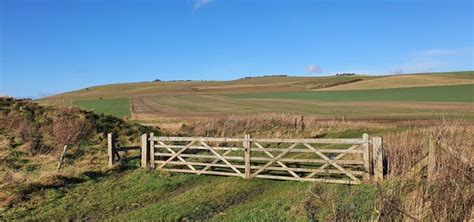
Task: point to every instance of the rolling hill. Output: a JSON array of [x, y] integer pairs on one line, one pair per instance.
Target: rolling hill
[[406, 81], [411, 95]]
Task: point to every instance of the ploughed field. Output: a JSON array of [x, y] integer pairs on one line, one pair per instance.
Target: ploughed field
[[402, 96]]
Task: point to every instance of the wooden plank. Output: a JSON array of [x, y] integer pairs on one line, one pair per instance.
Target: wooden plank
[[179, 158], [176, 154], [111, 148], [247, 145], [316, 141], [214, 162], [274, 159], [144, 151], [211, 139], [205, 172], [431, 159], [202, 156], [61, 158], [289, 160], [202, 147], [336, 158], [377, 158], [309, 151], [279, 162], [152, 151], [223, 159], [366, 155], [333, 163], [317, 170], [200, 164], [197, 139], [340, 181], [267, 149]]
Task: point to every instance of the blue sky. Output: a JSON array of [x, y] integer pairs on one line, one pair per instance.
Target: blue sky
[[52, 46]]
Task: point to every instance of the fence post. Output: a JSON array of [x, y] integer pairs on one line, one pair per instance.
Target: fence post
[[302, 122], [366, 155], [377, 158], [152, 150], [111, 148], [431, 158], [145, 151], [247, 146]]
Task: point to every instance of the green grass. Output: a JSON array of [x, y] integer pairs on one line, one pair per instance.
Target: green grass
[[142, 195], [456, 93], [98, 198], [145, 195], [115, 107]]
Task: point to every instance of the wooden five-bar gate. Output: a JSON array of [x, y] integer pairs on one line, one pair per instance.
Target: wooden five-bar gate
[[346, 161]]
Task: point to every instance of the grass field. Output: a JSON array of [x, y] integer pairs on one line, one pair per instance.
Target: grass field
[[141, 195], [262, 84], [216, 105], [454, 93], [116, 107], [257, 84], [406, 81], [441, 95]]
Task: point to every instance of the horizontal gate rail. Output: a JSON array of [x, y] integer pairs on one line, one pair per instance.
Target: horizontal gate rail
[[344, 161], [213, 139]]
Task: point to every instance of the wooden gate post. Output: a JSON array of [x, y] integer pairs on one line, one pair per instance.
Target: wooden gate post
[[111, 148], [152, 150], [247, 146], [366, 155], [377, 158], [431, 159], [145, 151]]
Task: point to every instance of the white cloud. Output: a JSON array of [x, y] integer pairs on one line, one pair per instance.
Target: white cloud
[[313, 69], [201, 3]]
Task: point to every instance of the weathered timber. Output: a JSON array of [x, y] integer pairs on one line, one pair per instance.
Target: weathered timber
[[111, 148], [243, 157], [377, 158]]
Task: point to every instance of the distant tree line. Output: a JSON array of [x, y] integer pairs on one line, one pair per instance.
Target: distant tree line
[[247, 77], [178, 80], [251, 77], [345, 74]]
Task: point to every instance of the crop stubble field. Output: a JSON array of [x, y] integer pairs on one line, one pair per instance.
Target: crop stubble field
[[403, 96]]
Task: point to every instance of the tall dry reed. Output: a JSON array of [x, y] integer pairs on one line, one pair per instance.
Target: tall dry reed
[[448, 194]]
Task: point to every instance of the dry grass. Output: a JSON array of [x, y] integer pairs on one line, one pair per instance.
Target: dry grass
[[271, 125], [31, 137], [43, 130], [267, 84], [448, 195], [403, 81]]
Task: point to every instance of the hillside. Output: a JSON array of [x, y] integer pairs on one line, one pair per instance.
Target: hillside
[[256, 84], [403, 96], [264, 84], [406, 81]]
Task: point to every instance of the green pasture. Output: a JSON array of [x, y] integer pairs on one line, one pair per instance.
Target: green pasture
[[115, 107], [141, 195], [455, 93]]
